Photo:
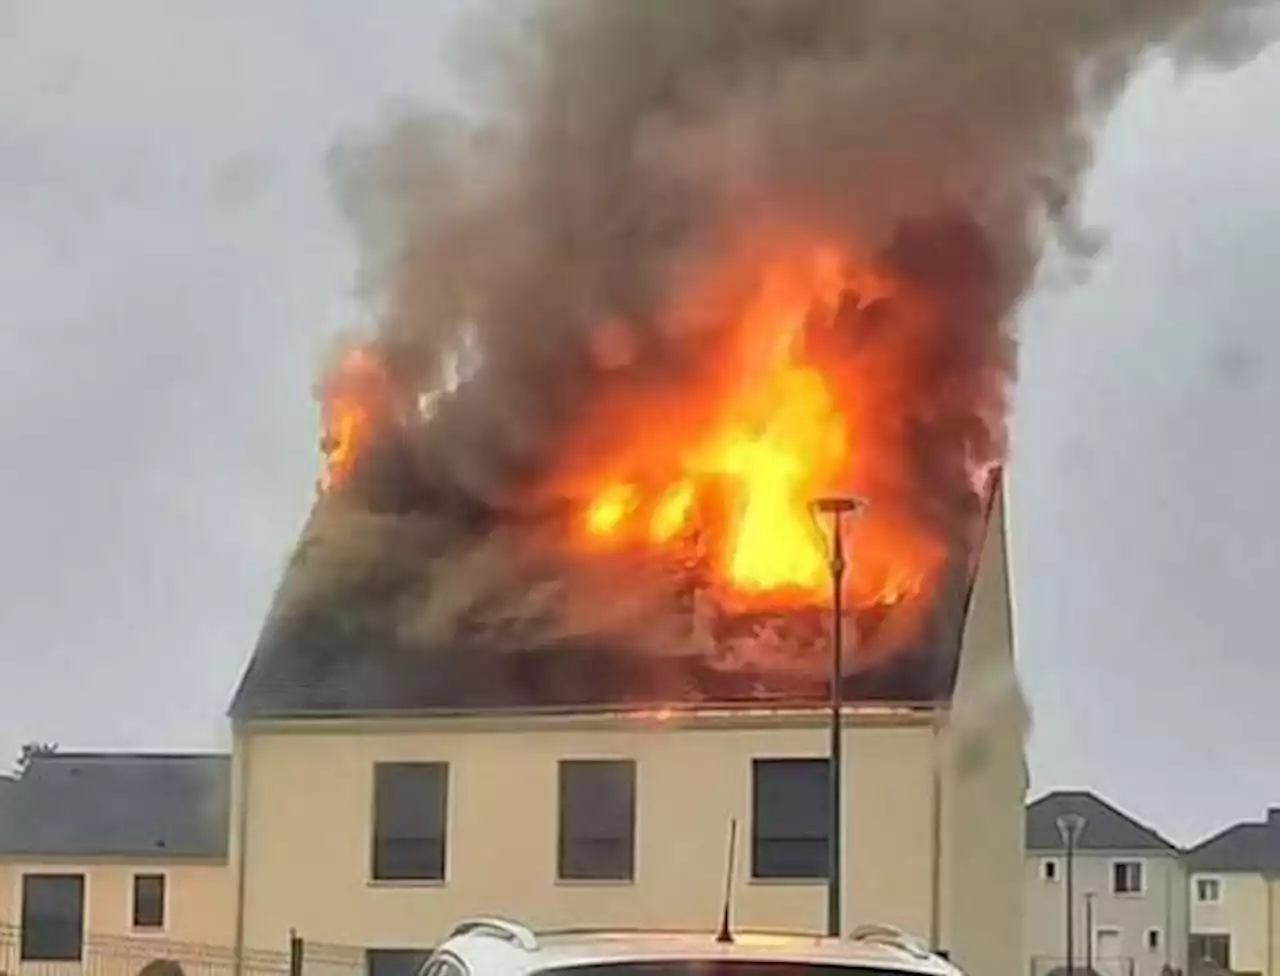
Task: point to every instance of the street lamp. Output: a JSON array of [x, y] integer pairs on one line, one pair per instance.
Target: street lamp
[[835, 508], [1088, 932], [1069, 826]]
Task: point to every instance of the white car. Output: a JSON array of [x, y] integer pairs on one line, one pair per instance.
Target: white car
[[497, 947]]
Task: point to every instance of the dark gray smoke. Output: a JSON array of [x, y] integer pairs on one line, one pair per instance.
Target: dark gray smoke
[[612, 150]]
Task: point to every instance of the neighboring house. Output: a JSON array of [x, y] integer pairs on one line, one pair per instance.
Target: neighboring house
[[102, 846], [382, 792], [1129, 883], [1235, 897]]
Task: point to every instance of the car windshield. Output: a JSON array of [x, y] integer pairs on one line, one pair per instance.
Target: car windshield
[[718, 967]]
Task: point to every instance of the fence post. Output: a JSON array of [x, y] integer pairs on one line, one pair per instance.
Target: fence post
[[296, 952]]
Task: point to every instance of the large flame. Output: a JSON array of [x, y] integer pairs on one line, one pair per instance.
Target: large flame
[[738, 458]]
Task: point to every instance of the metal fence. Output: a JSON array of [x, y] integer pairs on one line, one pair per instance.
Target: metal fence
[[1057, 966], [101, 955]]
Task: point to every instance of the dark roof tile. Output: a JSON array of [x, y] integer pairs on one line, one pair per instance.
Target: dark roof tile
[[1106, 827], [118, 805], [1249, 846]]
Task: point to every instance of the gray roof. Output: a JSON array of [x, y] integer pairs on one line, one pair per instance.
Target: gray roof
[[318, 658], [118, 805], [1106, 828], [1248, 846]]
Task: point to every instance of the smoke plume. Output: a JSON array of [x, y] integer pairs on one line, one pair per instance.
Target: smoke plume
[[614, 158]]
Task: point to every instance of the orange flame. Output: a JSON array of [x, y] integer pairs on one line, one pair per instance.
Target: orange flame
[[742, 456], [354, 399]]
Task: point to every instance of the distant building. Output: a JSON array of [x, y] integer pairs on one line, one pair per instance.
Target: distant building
[[1131, 877], [113, 845], [1235, 897]]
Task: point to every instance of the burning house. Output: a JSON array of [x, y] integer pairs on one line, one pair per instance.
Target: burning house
[[561, 613]]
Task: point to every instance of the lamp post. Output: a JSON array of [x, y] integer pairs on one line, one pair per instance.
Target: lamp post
[[1088, 932], [1069, 826], [836, 507]]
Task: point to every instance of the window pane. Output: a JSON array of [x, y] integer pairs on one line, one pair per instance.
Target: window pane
[[804, 858], [394, 962], [597, 819], [52, 917], [789, 818], [410, 816], [148, 901]]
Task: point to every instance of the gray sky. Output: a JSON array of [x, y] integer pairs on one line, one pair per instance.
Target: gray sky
[[171, 269]]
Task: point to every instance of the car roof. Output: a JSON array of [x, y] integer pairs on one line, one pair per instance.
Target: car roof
[[485, 944]]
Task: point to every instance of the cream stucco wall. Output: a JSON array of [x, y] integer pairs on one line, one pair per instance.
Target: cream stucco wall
[[985, 778], [308, 826], [200, 897], [1248, 911]]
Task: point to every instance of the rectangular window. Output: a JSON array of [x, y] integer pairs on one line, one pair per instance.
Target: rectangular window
[[789, 812], [394, 962], [52, 917], [410, 802], [1208, 891], [1153, 940], [1049, 869], [1215, 949], [597, 836], [1126, 878], [148, 901]]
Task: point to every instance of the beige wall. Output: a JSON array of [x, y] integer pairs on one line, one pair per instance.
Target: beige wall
[[200, 897], [1249, 911], [985, 779], [309, 825], [1161, 906]]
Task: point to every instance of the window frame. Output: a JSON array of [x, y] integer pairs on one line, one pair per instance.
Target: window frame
[[1054, 876], [1207, 879], [760, 873], [163, 878], [1116, 865], [567, 870], [381, 867], [25, 950]]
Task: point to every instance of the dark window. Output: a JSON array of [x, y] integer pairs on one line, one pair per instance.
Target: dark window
[[1214, 948], [789, 813], [394, 962], [52, 917], [597, 819], [1126, 878], [148, 901], [410, 815]]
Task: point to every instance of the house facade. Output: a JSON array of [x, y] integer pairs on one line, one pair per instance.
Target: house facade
[[1129, 898], [379, 820], [1234, 890]]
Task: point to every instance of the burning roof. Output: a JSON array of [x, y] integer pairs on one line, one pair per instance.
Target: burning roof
[[681, 270]]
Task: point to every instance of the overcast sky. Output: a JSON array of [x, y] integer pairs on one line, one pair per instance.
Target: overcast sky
[[172, 268]]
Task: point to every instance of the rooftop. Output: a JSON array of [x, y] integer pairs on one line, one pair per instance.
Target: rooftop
[[1106, 827], [117, 805], [1249, 846], [313, 659]]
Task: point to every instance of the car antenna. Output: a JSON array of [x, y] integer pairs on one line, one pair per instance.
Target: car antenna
[[725, 935]]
